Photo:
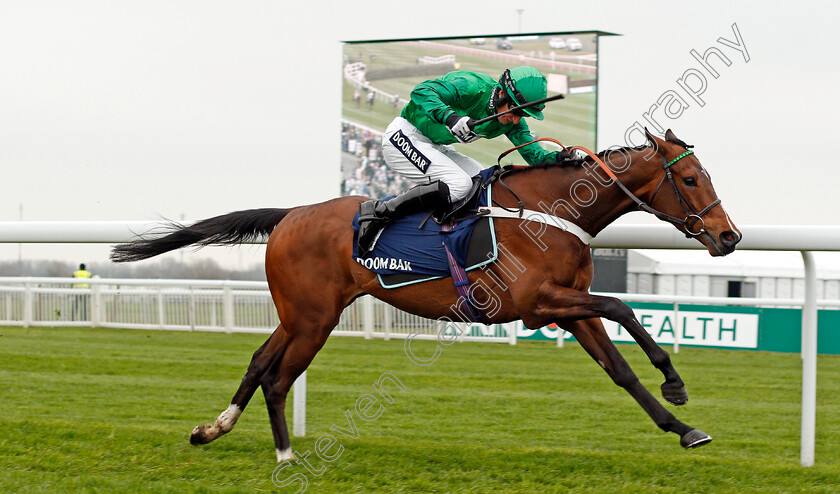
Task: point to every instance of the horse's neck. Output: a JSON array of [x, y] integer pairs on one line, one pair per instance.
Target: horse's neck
[[585, 195]]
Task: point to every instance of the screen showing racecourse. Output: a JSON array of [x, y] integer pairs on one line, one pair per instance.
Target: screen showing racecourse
[[380, 76]]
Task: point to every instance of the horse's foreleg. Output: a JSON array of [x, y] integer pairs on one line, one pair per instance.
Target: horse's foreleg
[[593, 338], [673, 389], [262, 360], [566, 303]]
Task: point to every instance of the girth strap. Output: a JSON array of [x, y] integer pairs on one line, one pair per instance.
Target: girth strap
[[531, 215], [462, 284]]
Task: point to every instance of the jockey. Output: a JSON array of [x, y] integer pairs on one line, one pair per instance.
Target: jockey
[[441, 112]]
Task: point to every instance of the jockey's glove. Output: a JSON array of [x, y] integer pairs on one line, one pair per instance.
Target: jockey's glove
[[461, 127], [564, 158]]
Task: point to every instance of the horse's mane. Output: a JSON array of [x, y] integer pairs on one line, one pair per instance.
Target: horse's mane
[[603, 155]]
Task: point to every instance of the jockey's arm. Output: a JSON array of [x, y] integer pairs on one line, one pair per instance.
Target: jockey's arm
[[533, 154], [438, 99]]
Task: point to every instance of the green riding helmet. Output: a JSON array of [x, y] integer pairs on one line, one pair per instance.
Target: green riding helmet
[[524, 84]]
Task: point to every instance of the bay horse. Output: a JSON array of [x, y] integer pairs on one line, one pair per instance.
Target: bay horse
[[312, 275]]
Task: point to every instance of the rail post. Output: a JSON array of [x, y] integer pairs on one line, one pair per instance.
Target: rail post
[[192, 308], [676, 327], [299, 413], [161, 317], [386, 321], [227, 308], [367, 315], [27, 305], [809, 362], [95, 305]]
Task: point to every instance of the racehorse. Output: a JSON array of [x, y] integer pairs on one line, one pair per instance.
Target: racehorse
[[312, 275]]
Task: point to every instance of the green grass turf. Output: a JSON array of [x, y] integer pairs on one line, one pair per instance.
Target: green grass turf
[[111, 410]]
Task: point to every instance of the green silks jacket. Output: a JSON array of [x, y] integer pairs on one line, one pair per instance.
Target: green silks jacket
[[468, 94]]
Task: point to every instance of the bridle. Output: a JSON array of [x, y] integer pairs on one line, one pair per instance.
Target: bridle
[[692, 215]]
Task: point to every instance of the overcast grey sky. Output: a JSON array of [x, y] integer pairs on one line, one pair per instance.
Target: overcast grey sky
[[115, 110]]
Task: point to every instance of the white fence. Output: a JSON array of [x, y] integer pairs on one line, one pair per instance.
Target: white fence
[[139, 304], [426, 60], [246, 307], [354, 74], [199, 305]]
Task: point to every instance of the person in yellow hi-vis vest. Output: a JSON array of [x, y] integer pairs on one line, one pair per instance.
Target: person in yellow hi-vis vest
[[80, 301]]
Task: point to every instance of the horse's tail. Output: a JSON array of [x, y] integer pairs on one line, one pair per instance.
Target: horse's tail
[[227, 229]]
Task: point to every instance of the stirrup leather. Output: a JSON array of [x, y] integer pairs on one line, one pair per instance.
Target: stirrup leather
[[367, 212], [371, 227]]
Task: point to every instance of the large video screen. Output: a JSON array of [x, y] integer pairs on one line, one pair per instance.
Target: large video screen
[[379, 76]]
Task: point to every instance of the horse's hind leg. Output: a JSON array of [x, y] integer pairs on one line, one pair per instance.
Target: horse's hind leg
[[279, 429], [277, 421], [299, 354], [593, 338], [269, 353]]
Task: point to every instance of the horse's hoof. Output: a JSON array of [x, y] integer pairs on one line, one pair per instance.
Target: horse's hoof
[[695, 438], [285, 455], [675, 396], [198, 435]]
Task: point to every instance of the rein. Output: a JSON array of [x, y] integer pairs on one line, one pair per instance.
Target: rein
[[509, 170], [692, 216]]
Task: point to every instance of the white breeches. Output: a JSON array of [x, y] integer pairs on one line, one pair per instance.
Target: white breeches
[[420, 161]]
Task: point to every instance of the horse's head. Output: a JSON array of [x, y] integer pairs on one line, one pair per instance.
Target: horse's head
[[687, 197]]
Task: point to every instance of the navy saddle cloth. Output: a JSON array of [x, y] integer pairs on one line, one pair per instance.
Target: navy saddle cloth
[[414, 248]]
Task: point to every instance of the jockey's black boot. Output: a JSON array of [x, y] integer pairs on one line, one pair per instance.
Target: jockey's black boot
[[374, 215]]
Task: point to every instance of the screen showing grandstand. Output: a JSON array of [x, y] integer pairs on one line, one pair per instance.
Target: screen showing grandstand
[[378, 77]]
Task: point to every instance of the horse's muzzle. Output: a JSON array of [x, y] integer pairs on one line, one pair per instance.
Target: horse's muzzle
[[729, 239]]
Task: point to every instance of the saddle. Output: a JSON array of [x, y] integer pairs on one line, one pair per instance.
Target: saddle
[[412, 249]]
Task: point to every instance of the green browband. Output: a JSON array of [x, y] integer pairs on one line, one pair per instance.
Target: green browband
[[680, 157]]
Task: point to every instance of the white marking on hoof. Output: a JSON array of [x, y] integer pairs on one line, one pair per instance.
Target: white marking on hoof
[[228, 418], [284, 455], [212, 432]]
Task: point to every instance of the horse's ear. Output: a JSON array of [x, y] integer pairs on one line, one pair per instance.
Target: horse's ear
[[671, 137], [650, 137]]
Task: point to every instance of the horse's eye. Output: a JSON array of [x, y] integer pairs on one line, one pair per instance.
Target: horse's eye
[[690, 181]]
